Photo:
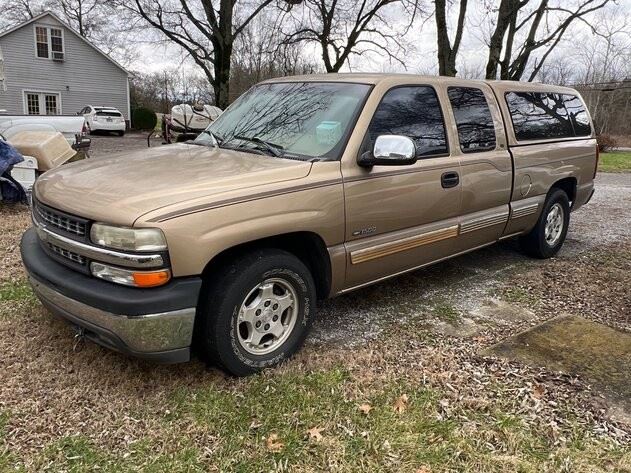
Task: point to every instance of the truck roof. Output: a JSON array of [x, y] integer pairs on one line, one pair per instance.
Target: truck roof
[[375, 78]]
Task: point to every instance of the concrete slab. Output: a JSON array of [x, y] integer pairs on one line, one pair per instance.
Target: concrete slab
[[597, 353]]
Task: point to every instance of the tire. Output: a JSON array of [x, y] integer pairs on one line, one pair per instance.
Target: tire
[[226, 331], [120, 133], [546, 239]]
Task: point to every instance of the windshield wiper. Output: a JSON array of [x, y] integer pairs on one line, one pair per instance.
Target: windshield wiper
[[274, 149]]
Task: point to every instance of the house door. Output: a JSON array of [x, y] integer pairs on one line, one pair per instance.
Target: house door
[[42, 103]]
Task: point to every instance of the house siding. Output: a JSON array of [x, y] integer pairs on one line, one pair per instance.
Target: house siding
[[84, 77]]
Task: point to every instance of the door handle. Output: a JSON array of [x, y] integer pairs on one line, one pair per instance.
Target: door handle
[[449, 179]]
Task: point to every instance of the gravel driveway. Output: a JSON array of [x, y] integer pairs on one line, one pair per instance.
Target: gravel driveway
[[104, 145], [468, 282]]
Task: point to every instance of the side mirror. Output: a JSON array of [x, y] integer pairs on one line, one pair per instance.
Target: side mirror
[[390, 150]]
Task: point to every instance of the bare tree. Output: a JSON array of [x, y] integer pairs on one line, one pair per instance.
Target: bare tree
[[523, 27], [602, 68], [259, 54], [85, 16], [159, 91], [18, 11], [342, 28], [447, 52], [205, 29]]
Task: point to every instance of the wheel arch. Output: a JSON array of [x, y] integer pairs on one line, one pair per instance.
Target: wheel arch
[[567, 185], [309, 247]]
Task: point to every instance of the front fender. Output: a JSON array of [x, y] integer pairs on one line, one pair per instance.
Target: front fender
[[196, 238]]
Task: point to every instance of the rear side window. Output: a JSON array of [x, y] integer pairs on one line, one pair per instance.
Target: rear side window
[[578, 115], [476, 130], [412, 111]]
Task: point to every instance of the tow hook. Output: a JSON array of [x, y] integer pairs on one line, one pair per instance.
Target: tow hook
[[79, 340]]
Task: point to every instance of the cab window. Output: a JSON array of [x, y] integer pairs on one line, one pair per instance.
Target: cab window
[[476, 130], [412, 111]]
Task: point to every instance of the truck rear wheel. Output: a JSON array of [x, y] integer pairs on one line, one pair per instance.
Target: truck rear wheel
[[546, 239], [256, 311]]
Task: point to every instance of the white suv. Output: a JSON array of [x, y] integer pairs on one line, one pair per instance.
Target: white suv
[[103, 119]]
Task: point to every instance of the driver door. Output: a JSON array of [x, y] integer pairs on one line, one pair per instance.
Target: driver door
[[402, 217]]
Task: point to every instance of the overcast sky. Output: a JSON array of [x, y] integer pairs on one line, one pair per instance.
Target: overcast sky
[[420, 54]]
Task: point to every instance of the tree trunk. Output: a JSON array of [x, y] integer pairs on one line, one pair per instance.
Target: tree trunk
[[445, 65], [447, 53], [221, 79], [222, 42], [507, 9]]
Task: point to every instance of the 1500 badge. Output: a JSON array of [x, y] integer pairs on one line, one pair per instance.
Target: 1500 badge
[[365, 231]]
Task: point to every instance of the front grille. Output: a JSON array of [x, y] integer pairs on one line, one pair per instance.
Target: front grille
[[75, 257], [61, 221]]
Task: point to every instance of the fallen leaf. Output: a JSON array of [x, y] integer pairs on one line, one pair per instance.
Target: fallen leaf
[[401, 404], [255, 424], [274, 444], [423, 469], [365, 408], [314, 433], [538, 391]]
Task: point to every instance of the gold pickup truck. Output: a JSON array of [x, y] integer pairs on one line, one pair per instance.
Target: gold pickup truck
[[305, 188]]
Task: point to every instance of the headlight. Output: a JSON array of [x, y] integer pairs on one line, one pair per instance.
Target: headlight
[[122, 238]]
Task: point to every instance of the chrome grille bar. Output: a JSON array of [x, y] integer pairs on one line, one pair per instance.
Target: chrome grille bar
[[60, 221]]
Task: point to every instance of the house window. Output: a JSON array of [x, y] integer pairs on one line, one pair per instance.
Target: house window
[[49, 43], [56, 42], [51, 105], [41, 39], [32, 104], [42, 103]]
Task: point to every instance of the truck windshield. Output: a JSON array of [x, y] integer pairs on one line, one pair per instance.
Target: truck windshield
[[290, 119]]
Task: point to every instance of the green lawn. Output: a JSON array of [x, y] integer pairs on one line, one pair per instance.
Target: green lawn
[[313, 420], [619, 161]]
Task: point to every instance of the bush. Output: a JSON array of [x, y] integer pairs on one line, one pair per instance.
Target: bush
[[144, 119], [606, 142]]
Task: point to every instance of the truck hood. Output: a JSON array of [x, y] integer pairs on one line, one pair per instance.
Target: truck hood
[[121, 188]]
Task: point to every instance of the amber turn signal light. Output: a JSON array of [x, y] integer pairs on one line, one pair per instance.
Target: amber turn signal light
[[151, 279]]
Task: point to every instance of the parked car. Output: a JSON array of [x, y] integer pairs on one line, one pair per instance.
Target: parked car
[[104, 119], [304, 188], [72, 127]]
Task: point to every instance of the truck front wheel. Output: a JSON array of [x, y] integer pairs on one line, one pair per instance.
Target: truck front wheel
[[255, 311], [546, 239]]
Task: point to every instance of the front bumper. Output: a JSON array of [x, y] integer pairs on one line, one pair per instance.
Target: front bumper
[[155, 324]]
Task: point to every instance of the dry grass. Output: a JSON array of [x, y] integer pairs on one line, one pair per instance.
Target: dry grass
[[15, 220], [62, 411]]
